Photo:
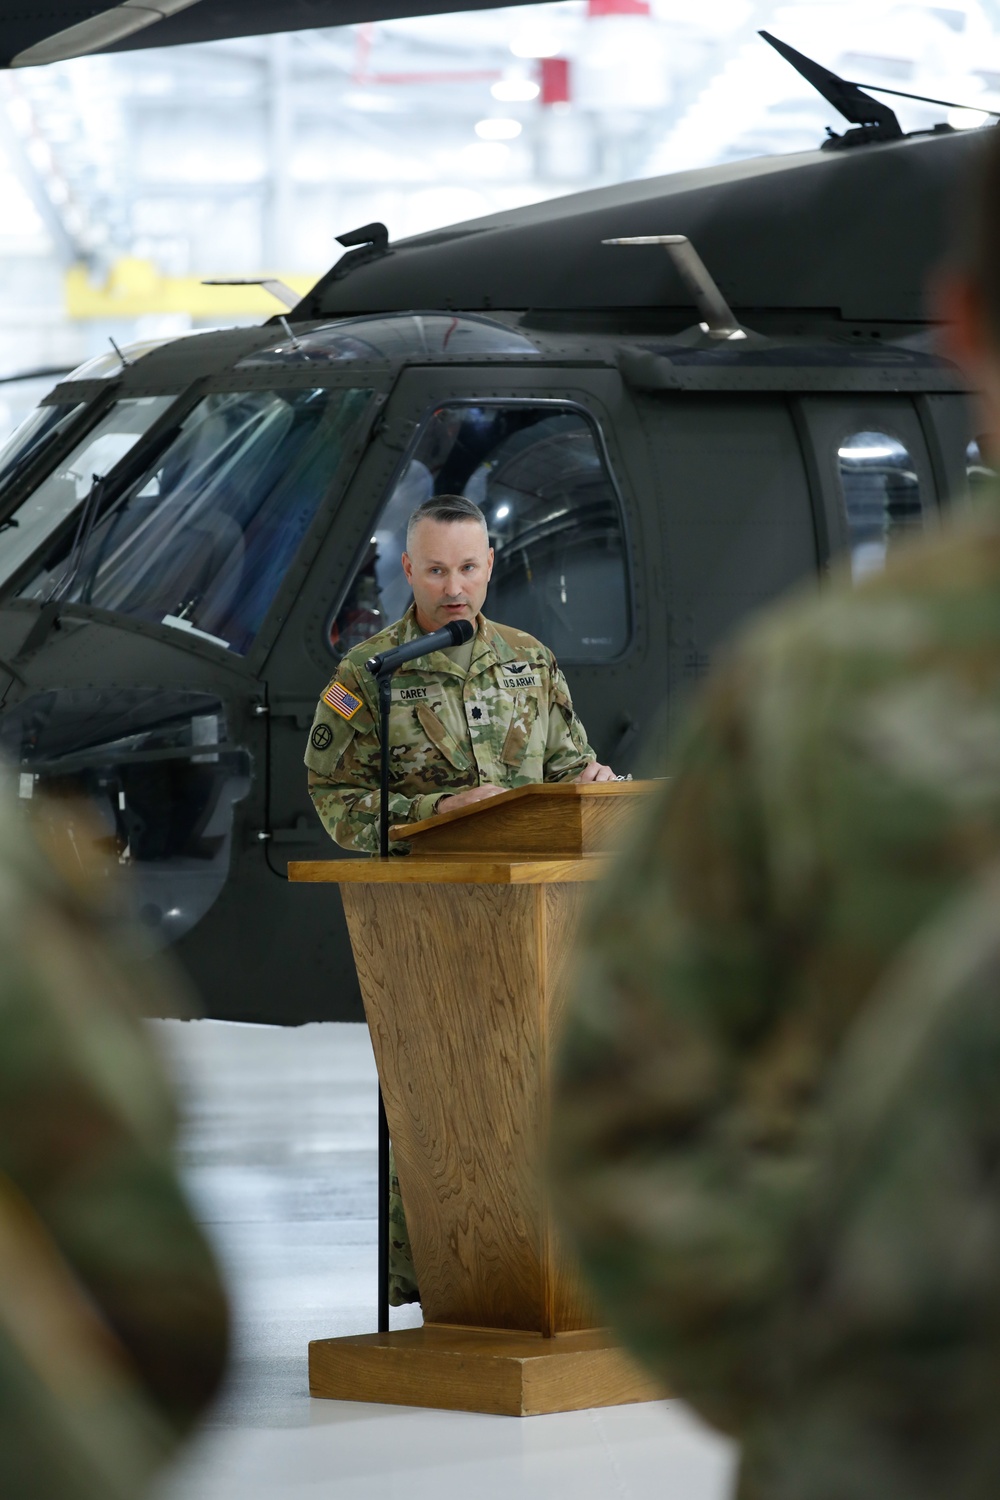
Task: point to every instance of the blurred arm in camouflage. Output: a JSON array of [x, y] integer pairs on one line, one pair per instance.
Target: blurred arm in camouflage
[[113, 1322]]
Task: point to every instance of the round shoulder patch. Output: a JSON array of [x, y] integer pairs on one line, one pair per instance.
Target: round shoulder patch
[[322, 737]]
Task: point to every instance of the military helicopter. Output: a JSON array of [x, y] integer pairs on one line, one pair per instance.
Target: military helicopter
[[674, 399]]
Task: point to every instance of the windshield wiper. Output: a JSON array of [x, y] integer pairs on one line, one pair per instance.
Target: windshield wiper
[[85, 526]]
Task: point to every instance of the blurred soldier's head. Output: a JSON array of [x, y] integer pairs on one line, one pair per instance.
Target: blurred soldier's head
[[968, 293], [448, 560]]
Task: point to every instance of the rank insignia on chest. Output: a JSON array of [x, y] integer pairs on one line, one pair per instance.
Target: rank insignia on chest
[[341, 701], [477, 713]]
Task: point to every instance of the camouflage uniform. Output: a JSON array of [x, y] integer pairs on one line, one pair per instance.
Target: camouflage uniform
[[837, 783], [112, 1318], [508, 721], [892, 1334]]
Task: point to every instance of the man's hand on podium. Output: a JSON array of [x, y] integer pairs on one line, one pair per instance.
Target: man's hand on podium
[[466, 798], [594, 771]]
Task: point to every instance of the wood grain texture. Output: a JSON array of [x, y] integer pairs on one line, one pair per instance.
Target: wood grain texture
[[458, 984], [544, 821], [460, 1370], [446, 869]]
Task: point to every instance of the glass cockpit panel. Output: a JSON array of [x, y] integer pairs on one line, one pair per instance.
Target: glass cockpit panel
[[62, 492], [145, 778], [202, 541], [393, 336], [882, 500], [540, 476], [26, 443]]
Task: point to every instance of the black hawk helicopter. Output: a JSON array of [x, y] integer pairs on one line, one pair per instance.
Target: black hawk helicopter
[[674, 399]]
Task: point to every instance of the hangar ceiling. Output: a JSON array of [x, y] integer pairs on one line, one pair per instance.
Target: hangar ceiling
[[128, 178]]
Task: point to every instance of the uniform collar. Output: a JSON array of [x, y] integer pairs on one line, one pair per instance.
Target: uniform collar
[[489, 649], [440, 661]]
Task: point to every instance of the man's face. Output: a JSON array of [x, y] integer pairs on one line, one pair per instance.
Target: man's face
[[448, 568]]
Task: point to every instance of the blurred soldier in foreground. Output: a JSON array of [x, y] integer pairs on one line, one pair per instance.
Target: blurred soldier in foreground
[[836, 786], [894, 1314], [112, 1318]]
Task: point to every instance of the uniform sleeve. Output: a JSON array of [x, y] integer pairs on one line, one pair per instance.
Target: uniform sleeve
[[344, 761], [567, 750], [676, 1207]]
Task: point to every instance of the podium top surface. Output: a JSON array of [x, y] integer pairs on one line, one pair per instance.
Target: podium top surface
[[533, 835], [445, 869], [537, 796]]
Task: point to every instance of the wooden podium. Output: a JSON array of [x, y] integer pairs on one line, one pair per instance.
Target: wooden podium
[[460, 949]]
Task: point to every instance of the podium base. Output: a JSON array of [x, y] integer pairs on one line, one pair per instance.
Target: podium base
[[481, 1370]]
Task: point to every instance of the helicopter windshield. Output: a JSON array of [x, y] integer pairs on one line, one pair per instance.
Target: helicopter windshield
[[28, 440], [203, 539], [60, 493]]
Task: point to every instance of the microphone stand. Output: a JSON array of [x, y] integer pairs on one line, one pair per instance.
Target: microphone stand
[[382, 672], [384, 681]]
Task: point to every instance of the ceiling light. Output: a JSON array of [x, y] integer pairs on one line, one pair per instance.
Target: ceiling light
[[498, 130], [515, 90]]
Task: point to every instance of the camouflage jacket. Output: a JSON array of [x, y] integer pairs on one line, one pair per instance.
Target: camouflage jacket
[[509, 721], [891, 1338], [112, 1317], [836, 784]]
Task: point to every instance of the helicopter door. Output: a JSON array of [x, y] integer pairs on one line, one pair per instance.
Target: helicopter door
[[872, 473], [572, 566]]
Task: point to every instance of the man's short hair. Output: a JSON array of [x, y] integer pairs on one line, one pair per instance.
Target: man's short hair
[[445, 508]]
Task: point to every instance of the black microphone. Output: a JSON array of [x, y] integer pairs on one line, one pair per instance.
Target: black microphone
[[455, 633]]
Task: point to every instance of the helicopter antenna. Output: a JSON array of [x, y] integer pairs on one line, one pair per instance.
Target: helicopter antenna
[[718, 319], [875, 121], [126, 362], [979, 109], [296, 343], [279, 289]]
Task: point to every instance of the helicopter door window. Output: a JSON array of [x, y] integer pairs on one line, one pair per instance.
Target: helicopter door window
[[55, 499], [203, 540], [882, 500], [539, 474]]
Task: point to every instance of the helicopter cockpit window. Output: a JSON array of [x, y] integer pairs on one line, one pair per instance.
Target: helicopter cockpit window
[[204, 539], [393, 336], [27, 441], [147, 777], [881, 497], [539, 474], [63, 491]]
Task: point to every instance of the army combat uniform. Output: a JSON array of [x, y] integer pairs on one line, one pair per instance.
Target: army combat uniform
[[837, 783], [508, 721], [112, 1316], [505, 718], [892, 1334]]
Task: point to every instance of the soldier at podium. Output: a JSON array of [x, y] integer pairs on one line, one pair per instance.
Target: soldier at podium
[[466, 723]]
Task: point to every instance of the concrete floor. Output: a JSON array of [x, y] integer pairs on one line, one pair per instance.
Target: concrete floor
[[278, 1150]]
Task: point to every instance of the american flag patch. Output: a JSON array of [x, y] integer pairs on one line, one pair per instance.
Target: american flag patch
[[341, 701]]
